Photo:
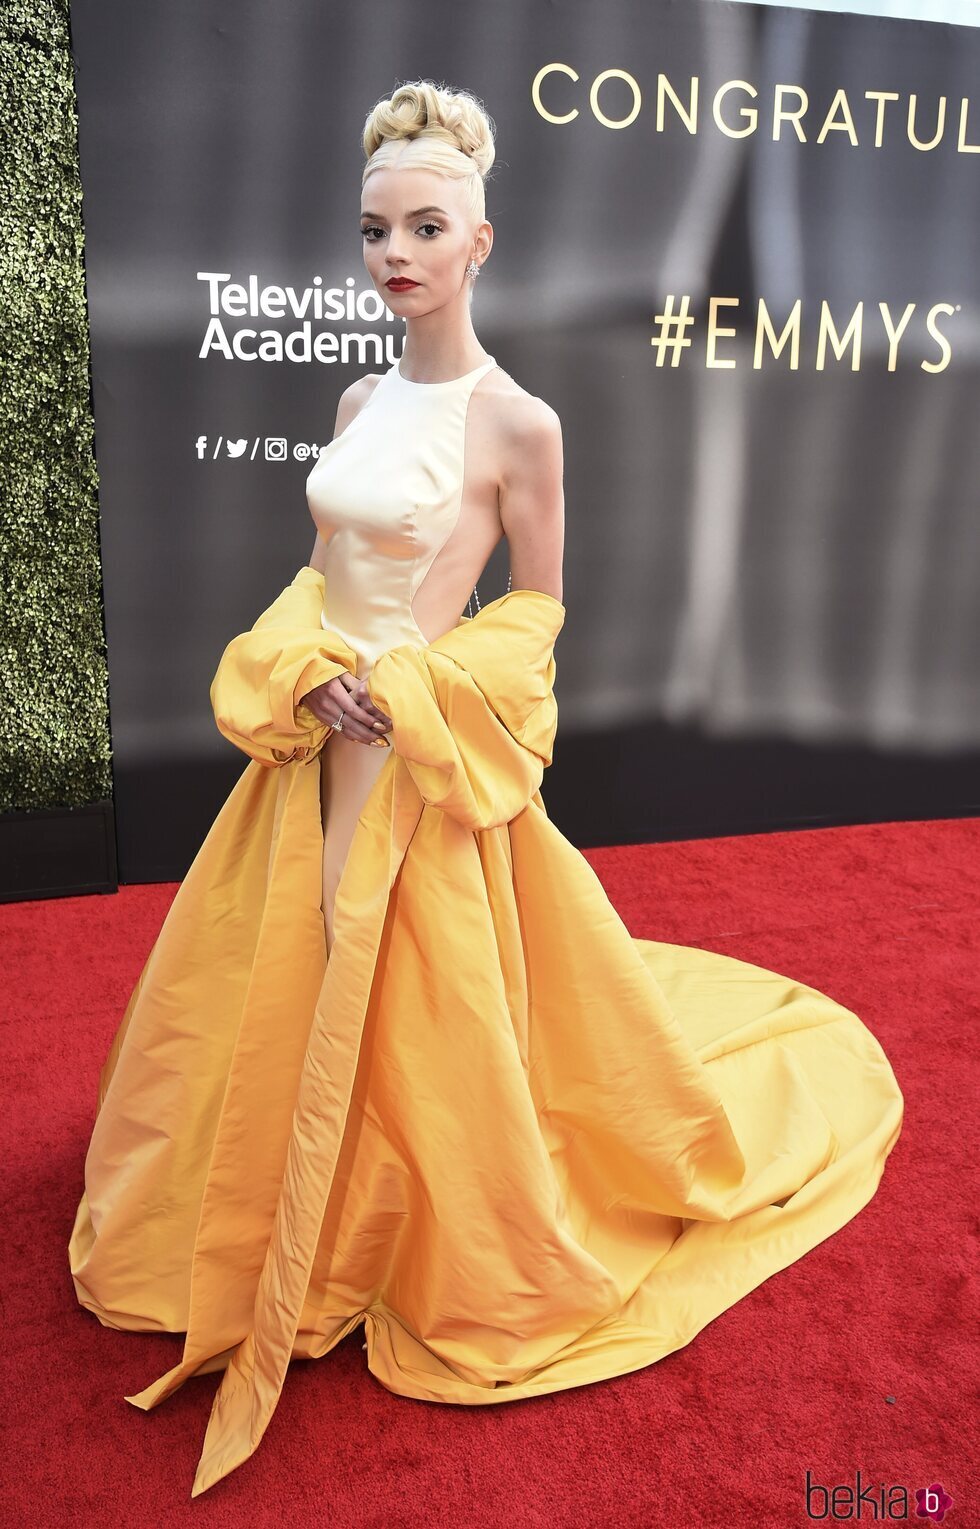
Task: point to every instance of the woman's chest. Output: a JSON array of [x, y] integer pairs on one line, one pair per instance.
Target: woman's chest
[[402, 476]]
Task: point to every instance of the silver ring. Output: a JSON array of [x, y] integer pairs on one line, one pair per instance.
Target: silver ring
[[339, 724]]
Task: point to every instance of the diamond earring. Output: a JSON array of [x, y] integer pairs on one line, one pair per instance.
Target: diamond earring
[[472, 269]]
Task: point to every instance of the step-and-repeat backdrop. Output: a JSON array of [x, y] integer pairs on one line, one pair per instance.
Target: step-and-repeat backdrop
[[735, 249]]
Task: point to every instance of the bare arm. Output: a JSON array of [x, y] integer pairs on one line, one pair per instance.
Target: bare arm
[[532, 501]]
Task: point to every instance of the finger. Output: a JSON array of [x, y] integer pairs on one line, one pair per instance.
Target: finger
[[340, 704], [355, 733], [331, 708], [381, 713], [355, 723], [363, 698], [369, 713], [325, 709], [325, 703], [357, 708]]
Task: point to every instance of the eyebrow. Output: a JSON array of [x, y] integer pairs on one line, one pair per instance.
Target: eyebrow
[[413, 214]]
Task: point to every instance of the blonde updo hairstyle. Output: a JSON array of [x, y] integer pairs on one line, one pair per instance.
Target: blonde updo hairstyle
[[425, 126]]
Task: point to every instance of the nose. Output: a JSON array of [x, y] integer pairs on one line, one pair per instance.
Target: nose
[[393, 254]]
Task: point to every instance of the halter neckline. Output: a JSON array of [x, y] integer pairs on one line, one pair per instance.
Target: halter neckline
[[447, 382]]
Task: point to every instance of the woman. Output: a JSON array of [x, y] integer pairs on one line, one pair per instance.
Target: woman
[[411, 1070], [434, 462]]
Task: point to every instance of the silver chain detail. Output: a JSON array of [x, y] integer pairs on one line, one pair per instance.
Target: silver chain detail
[[476, 596]]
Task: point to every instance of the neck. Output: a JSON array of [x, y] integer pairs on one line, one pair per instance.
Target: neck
[[438, 355]]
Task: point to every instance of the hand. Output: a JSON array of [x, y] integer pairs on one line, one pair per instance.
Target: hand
[[363, 721]]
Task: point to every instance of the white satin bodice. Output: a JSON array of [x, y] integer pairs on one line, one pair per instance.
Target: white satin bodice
[[385, 496]]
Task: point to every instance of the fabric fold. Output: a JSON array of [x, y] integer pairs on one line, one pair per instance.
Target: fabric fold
[[454, 752], [525, 1149]]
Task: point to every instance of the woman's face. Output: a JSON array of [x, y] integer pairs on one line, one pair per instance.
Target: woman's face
[[414, 226]]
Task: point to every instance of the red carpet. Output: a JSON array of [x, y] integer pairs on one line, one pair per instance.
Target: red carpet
[[856, 1364]]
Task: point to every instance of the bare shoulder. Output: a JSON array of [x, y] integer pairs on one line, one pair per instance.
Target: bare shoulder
[[522, 423], [530, 492], [353, 399]]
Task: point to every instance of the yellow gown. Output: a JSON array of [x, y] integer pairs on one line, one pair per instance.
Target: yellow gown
[[526, 1150]]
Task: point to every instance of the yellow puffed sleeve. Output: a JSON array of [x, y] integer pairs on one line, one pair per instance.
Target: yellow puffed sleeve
[[474, 713], [263, 674]]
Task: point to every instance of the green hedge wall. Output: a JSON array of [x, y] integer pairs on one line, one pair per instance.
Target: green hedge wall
[[55, 747]]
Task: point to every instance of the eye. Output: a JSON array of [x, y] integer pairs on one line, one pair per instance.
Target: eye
[[367, 229]]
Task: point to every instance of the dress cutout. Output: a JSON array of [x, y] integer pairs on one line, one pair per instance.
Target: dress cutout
[[386, 497]]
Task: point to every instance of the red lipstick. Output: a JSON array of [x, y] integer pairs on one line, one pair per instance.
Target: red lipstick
[[400, 284]]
